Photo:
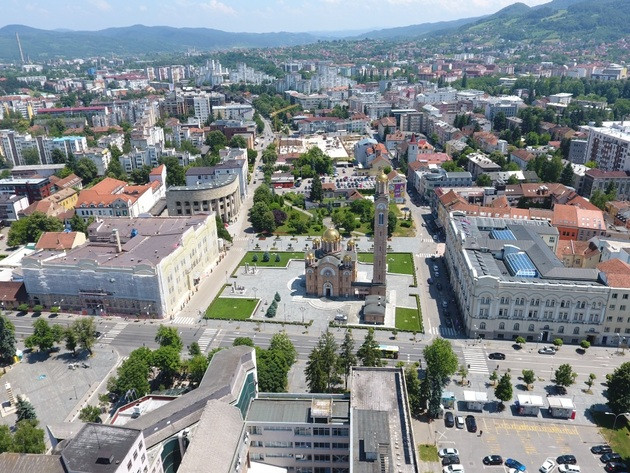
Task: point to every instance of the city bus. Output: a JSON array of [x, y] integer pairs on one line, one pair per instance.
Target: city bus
[[389, 351]]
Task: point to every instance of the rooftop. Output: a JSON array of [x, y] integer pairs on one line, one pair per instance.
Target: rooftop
[[296, 408], [30, 463]]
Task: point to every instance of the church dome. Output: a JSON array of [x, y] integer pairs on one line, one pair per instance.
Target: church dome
[[347, 259], [382, 177], [330, 235], [351, 244], [310, 255]]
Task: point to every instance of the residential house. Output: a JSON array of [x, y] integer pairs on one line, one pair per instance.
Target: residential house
[[11, 206], [60, 241], [479, 163], [574, 223], [521, 157], [578, 254]]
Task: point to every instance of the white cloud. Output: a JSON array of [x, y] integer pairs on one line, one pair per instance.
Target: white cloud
[[219, 7], [102, 5]]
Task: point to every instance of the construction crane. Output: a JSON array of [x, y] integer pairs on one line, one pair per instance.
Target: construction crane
[[17, 36], [273, 114]]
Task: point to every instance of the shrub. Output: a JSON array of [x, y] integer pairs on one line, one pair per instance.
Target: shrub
[[265, 257], [255, 258], [38, 308], [23, 307], [276, 298], [557, 342]]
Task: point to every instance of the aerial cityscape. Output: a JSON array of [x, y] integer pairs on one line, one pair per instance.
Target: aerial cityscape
[[315, 236]]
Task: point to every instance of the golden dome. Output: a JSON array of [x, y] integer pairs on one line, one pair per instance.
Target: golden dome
[[310, 255], [347, 259], [351, 243], [331, 234], [316, 241], [382, 177]]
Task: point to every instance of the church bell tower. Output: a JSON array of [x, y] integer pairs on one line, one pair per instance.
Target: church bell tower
[[381, 211]]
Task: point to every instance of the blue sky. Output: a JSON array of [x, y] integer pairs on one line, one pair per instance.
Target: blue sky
[[244, 15]]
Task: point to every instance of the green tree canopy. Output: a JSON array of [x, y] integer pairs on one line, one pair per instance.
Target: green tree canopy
[[44, 336], [216, 140], [30, 156], [322, 367], [441, 359], [29, 229], [317, 191], [369, 353], [25, 410], [86, 170], [85, 332], [197, 366], [169, 337], [7, 340], [238, 141], [175, 173], [91, 414], [618, 393], [529, 377], [504, 390], [347, 358], [565, 376], [167, 360], [28, 438]]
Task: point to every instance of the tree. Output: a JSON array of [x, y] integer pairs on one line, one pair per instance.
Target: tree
[[321, 367], [347, 358], [317, 192], [70, 337], [493, 377], [413, 389], [25, 410], [7, 340], [166, 359], [272, 371], [590, 381], [29, 229], [90, 414], [392, 221], [141, 175], [246, 341], [194, 350], [169, 337], [132, 375], [262, 218], [197, 367], [28, 438], [503, 391], [85, 332], [566, 177], [216, 140], [565, 376], [557, 342], [238, 141], [279, 216], [276, 296], [434, 393], [58, 156], [462, 372], [585, 344], [86, 170], [30, 156], [115, 169], [520, 341], [175, 174], [282, 344], [369, 352], [441, 360], [529, 377], [44, 336], [618, 393], [483, 180], [6, 439], [78, 224]]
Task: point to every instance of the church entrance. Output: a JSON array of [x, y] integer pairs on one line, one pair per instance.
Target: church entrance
[[328, 290]]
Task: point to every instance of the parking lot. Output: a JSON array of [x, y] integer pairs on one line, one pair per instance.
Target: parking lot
[[529, 442]]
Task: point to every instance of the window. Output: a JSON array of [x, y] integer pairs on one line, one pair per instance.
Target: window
[[321, 445], [135, 455], [339, 432], [321, 458], [381, 219], [531, 327], [342, 445], [502, 326], [302, 431], [129, 466], [619, 319], [482, 326], [302, 444], [611, 306], [321, 431], [624, 296], [561, 329], [517, 327], [576, 331], [622, 307], [614, 296]]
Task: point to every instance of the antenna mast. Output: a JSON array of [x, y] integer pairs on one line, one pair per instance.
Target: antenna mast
[[17, 36]]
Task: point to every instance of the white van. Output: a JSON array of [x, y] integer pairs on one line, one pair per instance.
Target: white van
[[457, 468]]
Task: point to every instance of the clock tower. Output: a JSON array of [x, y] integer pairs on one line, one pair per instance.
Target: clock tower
[[381, 211]]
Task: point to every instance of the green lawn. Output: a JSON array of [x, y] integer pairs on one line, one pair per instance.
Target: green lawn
[[285, 256], [407, 319], [618, 438], [399, 263], [428, 453], [231, 308]]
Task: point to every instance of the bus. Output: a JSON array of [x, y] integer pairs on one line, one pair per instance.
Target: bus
[[389, 351]]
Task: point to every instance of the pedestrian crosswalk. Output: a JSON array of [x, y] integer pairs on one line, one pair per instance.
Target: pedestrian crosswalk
[[443, 331], [476, 360], [425, 255], [183, 320], [114, 332], [206, 338]]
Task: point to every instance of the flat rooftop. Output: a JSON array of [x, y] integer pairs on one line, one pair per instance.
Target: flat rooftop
[[293, 409]]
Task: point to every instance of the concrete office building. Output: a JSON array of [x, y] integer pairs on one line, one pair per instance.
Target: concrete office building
[[508, 282], [221, 195], [609, 146], [147, 266]]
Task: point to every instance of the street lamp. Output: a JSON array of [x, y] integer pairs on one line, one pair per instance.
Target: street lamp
[[616, 416], [302, 309]]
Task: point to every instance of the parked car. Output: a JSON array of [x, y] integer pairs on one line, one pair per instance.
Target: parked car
[[547, 466], [450, 460], [444, 452], [453, 469], [610, 457], [493, 460], [459, 422], [448, 322], [436, 268], [601, 449], [566, 460], [569, 469], [471, 423], [449, 419], [511, 463], [616, 467], [444, 304], [496, 356], [430, 281], [439, 286], [547, 351]]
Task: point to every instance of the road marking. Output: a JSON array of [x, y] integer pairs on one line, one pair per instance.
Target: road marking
[[475, 358], [183, 320], [206, 337], [113, 333]]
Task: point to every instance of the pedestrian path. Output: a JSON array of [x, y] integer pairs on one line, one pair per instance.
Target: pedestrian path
[[206, 337], [443, 331], [183, 320], [475, 359], [114, 332], [427, 240], [425, 255]]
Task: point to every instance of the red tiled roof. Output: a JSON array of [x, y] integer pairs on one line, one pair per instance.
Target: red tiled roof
[[617, 272], [56, 241]]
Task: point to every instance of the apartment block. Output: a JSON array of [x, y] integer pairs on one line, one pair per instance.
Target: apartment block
[[609, 146]]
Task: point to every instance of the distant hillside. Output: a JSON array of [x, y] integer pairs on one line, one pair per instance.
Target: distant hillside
[[138, 39], [566, 20], [412, 31]]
